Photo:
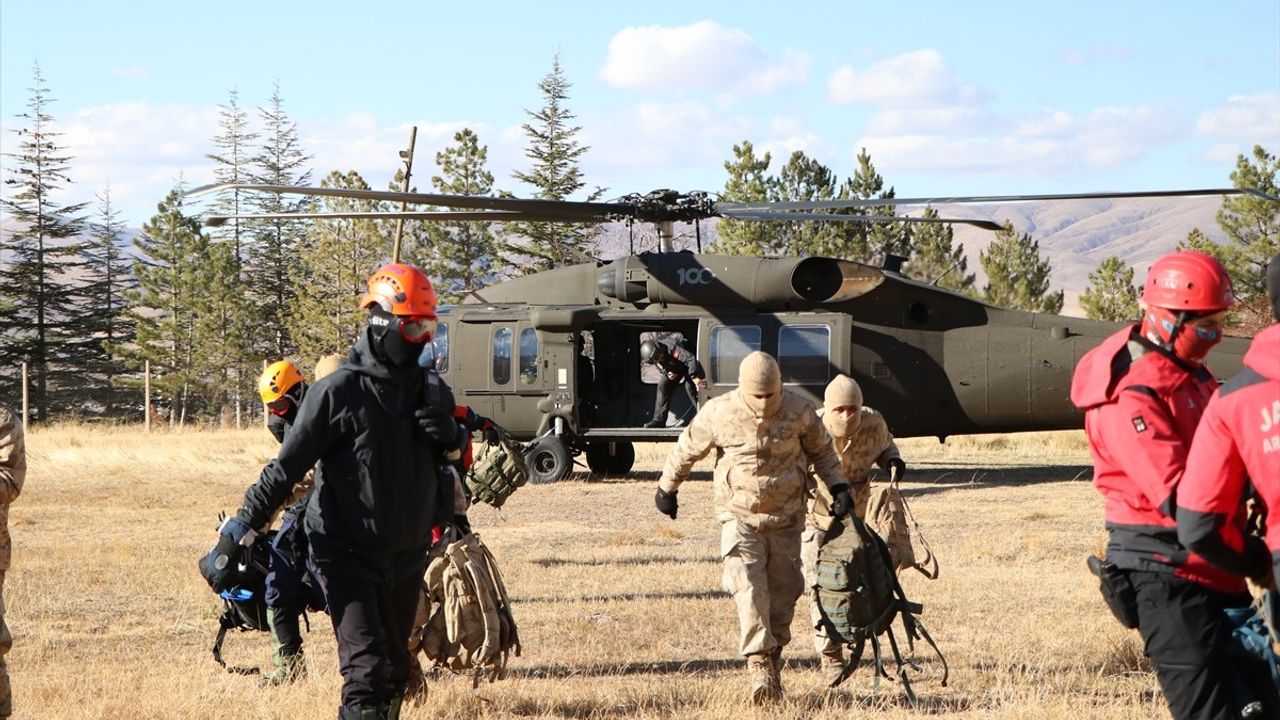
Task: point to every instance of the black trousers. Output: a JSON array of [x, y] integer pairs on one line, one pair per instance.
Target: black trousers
[[372, 622], [1186, 637], [662, 402]]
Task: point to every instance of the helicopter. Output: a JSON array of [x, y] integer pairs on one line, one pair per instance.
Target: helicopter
[[553, 356]]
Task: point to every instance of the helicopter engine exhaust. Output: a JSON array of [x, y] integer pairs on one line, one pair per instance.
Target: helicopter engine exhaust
[[763, 283]]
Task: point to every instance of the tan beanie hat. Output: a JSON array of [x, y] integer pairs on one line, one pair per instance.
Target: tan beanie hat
[[759, 375], [327, 364], [843, 391]]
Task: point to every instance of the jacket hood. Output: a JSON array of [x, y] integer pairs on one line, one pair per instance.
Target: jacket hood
[[1263, 355], [1097, 375]]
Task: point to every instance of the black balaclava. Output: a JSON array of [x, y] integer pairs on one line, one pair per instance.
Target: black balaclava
[[278, 424], [389, 345]]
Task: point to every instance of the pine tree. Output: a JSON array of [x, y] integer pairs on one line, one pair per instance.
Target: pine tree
[[164, 305], [937, 259], [555, 175], [868, 242], [104, 320], [803, 179], [748, 182], [334, 263], [461, 256], [221, 308], [39, 322], [280, 161], [1252, 227], [1111, 294], [1017, 276]]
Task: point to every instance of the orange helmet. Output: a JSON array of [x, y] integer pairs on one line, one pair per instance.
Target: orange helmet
[[278, 379], [401, 289], [1190, 281]]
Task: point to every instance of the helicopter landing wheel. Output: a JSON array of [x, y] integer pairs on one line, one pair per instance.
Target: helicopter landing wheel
[[602, 462], [548, 460]]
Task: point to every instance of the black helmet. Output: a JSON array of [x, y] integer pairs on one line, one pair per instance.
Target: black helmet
[[651, 352]]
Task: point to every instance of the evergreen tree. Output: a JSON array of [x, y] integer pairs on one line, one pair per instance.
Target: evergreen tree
[[868, 242], [460, 256], [104, 320], [164, 305], [1252, 227], [748, 182], [41, 255], [234, 142], [1197, 240], [803, 179], [555, 175], [937, 259], [280, 161], [1017, 276], [1111, 294], [221, 307], [334, 263]]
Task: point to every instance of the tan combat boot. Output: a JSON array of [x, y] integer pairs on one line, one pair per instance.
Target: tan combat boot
[[833, 667], [760, 672]]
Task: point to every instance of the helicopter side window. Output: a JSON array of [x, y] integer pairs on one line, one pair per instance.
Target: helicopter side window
[[729, 345], [502, 356], [804, 354], [440, 343], [528, 356]]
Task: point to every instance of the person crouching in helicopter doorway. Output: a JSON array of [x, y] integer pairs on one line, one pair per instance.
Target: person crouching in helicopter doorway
[[291, 586], [677, 366], [1143, 391], [860, 437], [374, 439], [765, 439]]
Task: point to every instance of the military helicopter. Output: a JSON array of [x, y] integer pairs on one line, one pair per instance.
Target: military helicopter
[[553, 356]]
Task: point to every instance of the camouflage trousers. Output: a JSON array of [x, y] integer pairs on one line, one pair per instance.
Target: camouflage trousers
[[762, 572], [811, 542], [6, 642]]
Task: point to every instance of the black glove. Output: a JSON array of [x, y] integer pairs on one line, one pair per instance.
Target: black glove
[[842, 503], [221, 567], [667, 503], [437, 425], [897, 469], [491, 436], [462, 523]]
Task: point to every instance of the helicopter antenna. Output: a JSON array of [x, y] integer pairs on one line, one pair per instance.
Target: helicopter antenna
[[946, 272], [407, 157]]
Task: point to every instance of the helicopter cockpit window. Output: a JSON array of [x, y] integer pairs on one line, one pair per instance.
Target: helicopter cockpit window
[[729, 345], [502, 356], [440, 342], [528, 356], [804, 354]]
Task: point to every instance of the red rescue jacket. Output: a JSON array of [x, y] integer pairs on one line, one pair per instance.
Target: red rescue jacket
[[1238, 441], [1142, 405]]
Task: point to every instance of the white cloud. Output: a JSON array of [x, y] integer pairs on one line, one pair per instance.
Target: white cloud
[[698, 57], [916, 79], [1243, 120]]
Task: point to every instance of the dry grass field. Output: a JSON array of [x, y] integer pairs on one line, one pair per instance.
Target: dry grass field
[[619, 608]]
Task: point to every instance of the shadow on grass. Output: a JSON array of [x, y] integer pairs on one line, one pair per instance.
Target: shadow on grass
[[611, 562], [663, 667], [626, 597], [977, 475]]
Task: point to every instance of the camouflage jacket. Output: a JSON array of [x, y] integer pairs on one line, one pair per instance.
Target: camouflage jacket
[[762, 466], [870, 443], [13, 471]]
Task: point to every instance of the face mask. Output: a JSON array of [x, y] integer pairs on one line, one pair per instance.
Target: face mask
[[390, 343], [759, 375], [841, 425], [275, 424], [1190, 343]]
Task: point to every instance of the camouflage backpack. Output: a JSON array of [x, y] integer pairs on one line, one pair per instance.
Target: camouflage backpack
[[496, 471], [464, 620], [859, 596], [893, 520]]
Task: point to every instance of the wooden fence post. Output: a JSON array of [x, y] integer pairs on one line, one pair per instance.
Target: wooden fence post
[[266, 414], [26, 407], [146, 400]]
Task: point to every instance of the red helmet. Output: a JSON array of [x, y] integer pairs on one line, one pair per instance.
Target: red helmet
[[1188, 281], [401, 289]]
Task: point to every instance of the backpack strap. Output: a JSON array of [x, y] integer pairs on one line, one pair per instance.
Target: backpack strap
[[930, 559], [227, 622]]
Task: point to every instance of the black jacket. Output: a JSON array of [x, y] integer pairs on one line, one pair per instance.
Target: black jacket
[[377, 493]]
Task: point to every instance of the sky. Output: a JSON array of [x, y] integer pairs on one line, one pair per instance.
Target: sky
[[985, 97]]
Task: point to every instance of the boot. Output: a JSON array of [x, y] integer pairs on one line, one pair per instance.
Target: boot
[[393, 707], [362, 712], [775, 672], [287, 655], [833, 667], [760, 672]]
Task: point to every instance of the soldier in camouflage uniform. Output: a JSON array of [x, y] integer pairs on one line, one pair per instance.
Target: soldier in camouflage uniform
[[13, 470], [860, 437], [764, 439]]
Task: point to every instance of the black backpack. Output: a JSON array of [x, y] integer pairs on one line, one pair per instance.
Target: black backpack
[[859, 596], [244, 606]]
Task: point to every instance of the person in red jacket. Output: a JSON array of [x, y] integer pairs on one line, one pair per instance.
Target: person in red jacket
[[1143, 391]]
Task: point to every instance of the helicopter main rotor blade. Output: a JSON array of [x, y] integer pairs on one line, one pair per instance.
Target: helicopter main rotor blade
[[830, 217], [977, 199], [442, 215], [564, 210]]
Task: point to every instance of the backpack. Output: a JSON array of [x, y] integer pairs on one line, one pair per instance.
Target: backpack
[[464, 618], [858, 596], [892, 519], [496, 471], [244, 606]]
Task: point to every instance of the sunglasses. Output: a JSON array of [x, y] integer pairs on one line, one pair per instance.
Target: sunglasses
[[417, 329], [280, 406]]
